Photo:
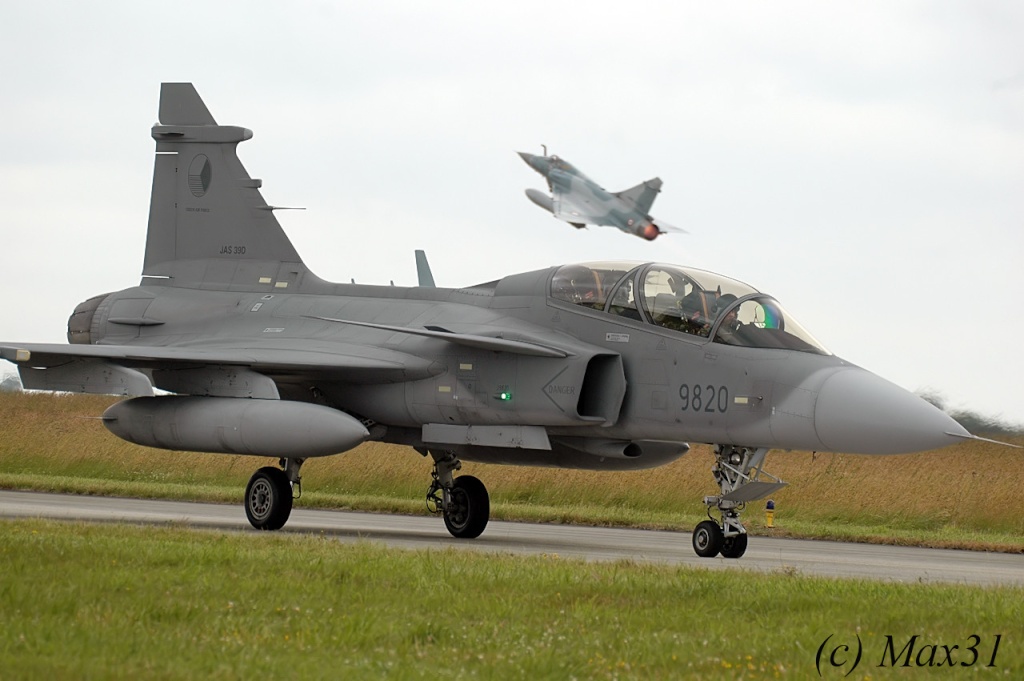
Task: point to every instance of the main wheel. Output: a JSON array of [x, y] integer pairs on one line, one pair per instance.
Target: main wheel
[[268, 499], [469, 508], [707, 539], [734, 547]]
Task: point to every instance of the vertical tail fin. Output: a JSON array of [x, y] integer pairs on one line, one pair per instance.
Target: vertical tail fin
[[642, 196], [209, 226], [423, 273]]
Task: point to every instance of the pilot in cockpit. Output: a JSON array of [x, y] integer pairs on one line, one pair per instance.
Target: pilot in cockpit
[[698, 312], [577, 284], [730, 326]]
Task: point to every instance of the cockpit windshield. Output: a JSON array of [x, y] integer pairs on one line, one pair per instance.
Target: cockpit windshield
[[694, 302], [760, 322]]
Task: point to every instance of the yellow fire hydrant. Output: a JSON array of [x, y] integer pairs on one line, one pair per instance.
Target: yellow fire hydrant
[[769, 514]]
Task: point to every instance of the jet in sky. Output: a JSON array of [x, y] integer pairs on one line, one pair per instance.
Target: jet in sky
[[580, 201], [231, 345]]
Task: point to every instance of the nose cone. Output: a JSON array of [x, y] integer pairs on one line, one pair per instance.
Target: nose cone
[[860, 413], [538, 163]]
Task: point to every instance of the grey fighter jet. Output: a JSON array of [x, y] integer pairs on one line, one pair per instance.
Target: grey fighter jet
[[602, 365], [578, 200]]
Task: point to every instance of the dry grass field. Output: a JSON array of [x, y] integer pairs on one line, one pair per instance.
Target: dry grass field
[[969, 495]]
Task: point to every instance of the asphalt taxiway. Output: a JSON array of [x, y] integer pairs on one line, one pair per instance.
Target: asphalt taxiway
[[764, 554]]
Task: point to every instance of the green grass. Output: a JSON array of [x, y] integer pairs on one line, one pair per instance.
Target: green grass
[[109, 601], [965, 496]]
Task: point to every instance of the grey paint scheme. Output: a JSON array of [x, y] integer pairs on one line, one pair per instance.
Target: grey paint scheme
[[279, 362], [580, 201], [423, 273]]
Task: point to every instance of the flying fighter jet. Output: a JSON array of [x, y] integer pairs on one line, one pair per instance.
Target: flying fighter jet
[[578, 200], [603, 365]]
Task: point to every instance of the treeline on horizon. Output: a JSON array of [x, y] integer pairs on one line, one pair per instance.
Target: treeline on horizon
[[974, 422]]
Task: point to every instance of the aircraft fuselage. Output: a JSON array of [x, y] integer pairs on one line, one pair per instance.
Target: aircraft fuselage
[[622, 380]]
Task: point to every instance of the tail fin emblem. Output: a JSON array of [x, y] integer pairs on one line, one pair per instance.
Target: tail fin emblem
[[199, 175]]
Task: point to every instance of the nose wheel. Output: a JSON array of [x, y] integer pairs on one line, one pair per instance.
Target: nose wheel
[[710, 538], [734, 547], [707, 539], [738, 472]]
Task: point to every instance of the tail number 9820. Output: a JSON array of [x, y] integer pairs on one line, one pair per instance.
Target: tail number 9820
[[706, 398]]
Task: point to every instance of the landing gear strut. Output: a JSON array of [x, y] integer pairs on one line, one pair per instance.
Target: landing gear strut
[[463, 501], [738, 472], [270, 492]]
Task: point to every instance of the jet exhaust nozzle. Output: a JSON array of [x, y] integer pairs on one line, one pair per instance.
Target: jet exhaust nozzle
[[649, 232], [227, 425]]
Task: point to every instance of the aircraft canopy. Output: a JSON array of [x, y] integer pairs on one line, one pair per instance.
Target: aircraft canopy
[[703, 305]]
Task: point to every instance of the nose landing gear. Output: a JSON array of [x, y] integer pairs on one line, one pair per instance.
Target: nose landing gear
[[738, 472]]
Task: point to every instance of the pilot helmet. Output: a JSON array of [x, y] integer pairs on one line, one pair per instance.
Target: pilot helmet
[[723, 302]]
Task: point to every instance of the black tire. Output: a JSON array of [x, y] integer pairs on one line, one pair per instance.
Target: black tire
[[707, 539], [268, 499], [470, 508], [734, 547]]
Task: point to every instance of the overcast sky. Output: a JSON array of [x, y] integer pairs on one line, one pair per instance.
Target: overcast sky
[[863, 162]]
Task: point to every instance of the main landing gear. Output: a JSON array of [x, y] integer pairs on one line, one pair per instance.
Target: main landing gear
[[269, 494], [463, 501], [737, 471]]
